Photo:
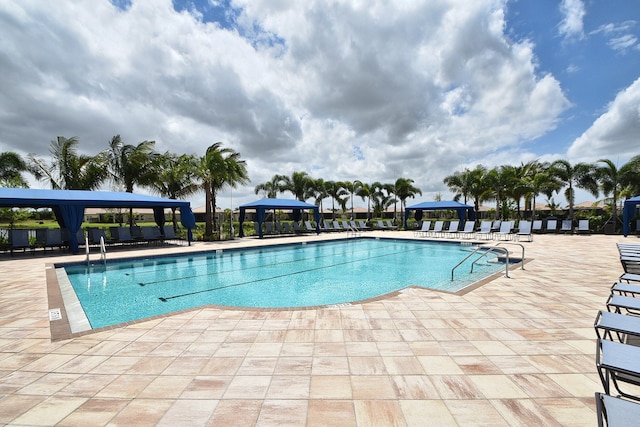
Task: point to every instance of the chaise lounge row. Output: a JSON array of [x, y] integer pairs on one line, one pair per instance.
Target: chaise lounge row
[[618, 350], [506, 231]]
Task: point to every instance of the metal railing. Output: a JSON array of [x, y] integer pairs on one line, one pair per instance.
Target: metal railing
[[103, 250], [487, 250]]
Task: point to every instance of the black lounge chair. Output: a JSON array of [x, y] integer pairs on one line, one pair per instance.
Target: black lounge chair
[[616, 363], [614, 411], [19, 239], [618, 303], [629, 277], [606, 324], [49, 238]]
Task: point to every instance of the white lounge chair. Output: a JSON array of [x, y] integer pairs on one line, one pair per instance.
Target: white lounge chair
[[468, 231], [524, 231], [583, 226], [485, 231], [566, 226], [390, 225], [536, 227], [452, 230], [552, 226], [424, 229], [437, 229], [505, 232]]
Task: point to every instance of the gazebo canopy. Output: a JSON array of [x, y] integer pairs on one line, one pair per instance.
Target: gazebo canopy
[[287, 204], [464, 211], [69, 205], [628, 212]]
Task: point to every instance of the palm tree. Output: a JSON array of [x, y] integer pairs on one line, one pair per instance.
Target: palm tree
[[608, 176], [404, 189], [317, 189], [176, 178], [459, 184], [540, 181], [365, 191], [350, 187], [579, 175], [298, 184], [219, 167], [382, 197], [335, 189], [501, 180], [69, 170], [270, 188], [478, 189], [11, 168], [131, 165], [630, 176]]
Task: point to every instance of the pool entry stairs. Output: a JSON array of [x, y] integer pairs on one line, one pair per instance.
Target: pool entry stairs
[[483, 251]]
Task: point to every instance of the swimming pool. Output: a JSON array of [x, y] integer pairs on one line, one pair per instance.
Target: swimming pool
[[282, 276]]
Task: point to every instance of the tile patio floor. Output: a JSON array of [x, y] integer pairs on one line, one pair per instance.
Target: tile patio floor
[[518, 351]]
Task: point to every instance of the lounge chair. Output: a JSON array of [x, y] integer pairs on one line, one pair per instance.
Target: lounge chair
[[452, 229], [95, 234], [468, 231], [536, 227], [170, 233], [390, 225], [614, 411], [286, 227], [49, 238], [381, 225], [552, 226], [626, 289], [123, 235], [618, 303], [524, 231], [485, 231], [19, 239], [583, 227], [424, 229], [506, 231], [362, 225], [616, 363], [630, 277], [151, 234], [495, 226], [309, 227], [337, 226], [609, 324], [566, 226], [268, 228], [437, 229]]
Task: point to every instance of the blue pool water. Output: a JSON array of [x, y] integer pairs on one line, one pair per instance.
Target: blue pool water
[[297, 275]]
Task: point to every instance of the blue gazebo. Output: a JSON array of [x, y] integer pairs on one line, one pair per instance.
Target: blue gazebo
[[628, 213], [68, 206], [262, 205], [464, 211]]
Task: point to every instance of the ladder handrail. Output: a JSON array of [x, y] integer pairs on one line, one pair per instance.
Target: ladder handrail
[[515, 244], [487, 250], [103, 250]]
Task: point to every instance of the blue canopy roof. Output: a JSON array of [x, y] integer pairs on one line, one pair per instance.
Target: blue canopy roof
[[268, 203], [278, 204], [462, 209], [69, 205], [34, 198], [629, 211]]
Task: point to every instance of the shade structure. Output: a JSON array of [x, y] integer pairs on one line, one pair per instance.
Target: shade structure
[[629, 211], [69, 205], [260, 206], [463, 211]]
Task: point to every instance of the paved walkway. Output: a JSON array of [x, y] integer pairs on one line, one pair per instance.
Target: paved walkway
[[518, 351]]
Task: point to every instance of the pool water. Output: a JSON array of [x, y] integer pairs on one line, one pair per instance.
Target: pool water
[[283, 276]]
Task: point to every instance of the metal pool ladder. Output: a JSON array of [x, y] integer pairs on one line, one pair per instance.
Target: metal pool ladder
[[103, 250], [491, 249]]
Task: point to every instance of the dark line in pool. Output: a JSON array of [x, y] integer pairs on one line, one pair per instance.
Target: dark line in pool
[[165, 299], [255, 267]]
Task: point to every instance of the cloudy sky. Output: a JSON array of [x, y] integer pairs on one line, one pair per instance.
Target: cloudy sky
[[342, 89]]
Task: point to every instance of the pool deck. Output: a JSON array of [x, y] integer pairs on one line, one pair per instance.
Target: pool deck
[[515, 351]]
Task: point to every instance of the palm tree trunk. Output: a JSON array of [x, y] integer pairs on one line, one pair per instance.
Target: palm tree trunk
[[208, 227]]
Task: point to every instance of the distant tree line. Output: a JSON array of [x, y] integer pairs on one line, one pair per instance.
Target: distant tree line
[[126, 166]]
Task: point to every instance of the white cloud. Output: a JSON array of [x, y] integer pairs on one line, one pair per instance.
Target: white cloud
[[572, 25], [614, 132], [351, 90]]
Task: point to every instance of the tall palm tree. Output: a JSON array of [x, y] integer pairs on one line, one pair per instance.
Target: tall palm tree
[[298, 184], [501, 180], [132, 165], [176, 178], [405, 189], [350, 187], [11, 168], [335, 189], [69, 170], [382, 197], [218, 168], [459, 183], [630, 176], [270, 188], [540, 182], [478, 189], [365, 191], [579, 175], [317, 189], [608, 177]]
